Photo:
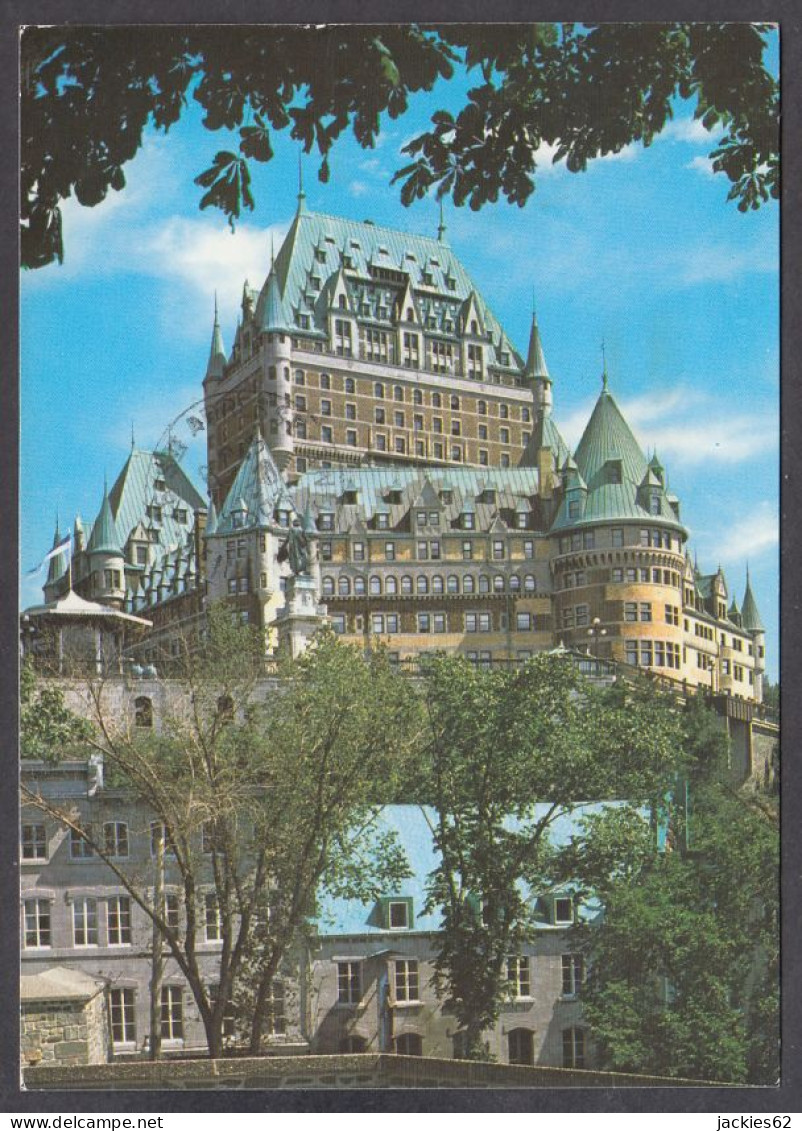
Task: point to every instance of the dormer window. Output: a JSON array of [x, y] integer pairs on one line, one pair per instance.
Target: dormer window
[[614, 472], [563, 909], [342, 302], [573, 508], [654, 503], [326, 520], [160, 485], [468, 520]]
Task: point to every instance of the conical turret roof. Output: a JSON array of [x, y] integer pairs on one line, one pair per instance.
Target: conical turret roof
[[609, 437], [104, 538], [217, 355], [750, 617], [58, 563], [535, 359]]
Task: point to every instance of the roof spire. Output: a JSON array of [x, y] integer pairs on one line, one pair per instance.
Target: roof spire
[[301, 193], [535, 360], [604, 367], [217, 355], [750, 617], [133, 437], [441, 227]]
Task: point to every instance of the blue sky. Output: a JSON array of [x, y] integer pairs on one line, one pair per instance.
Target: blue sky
[[642, 251]]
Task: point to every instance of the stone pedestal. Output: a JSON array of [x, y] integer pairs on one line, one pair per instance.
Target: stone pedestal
[[301, 616]]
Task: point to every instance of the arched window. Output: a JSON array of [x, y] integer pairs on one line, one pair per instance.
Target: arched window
[[417, 396], [409, 1044], [375, 585], [143, 711], [343, 586], [422, 583], [378, 391], [454, 401], [468, 583], [398, 392], [481, 408], [521, 1048], [342, 303], [529, 583], [225, 708], [359, 585], [406, 583], [484, 583], [350, 387], [327, 586], [391, 585], [498, 583], [437, 584], [515, 583], [453, 583], [287, 374]]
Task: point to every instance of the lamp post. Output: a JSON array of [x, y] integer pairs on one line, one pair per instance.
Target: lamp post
[[595, 633]]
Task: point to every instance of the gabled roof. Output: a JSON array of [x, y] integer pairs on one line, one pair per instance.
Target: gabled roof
[[135, 489], [545, 434]]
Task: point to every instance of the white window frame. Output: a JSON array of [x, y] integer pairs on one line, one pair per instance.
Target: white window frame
[[406, 980], [84, 922], [37, 922], [349, 982], [172, 1013], [519, 976], [118, 920], [122, 1016]]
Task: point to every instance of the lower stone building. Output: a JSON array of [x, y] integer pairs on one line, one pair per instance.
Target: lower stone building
[[362, 982]]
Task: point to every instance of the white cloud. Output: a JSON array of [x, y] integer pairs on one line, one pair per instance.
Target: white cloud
[[750, 537], [710, 263], [686, 427], [703, 165], [358, 188], [689, 130], [627, 153]]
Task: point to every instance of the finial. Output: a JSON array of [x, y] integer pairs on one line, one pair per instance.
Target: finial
[[604, 367], [301, 193], [272, 252], [133, 437], [215, 306], [441, 228]]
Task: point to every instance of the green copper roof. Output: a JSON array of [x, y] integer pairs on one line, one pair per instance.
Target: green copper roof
[[750, 617], [377, 487], [104, 538], [608, 437], [139, 485], [545, 434], [58, 564], [318, 245], [257, 488], [217, 355], [535, 361], [609, 451]]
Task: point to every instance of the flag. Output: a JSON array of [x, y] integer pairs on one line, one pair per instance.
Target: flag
[[59, 548]]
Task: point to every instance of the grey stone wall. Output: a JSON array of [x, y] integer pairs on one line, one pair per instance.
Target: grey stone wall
[[64, 1033]]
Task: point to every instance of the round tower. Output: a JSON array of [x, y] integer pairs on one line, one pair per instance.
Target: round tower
[[106, 558]]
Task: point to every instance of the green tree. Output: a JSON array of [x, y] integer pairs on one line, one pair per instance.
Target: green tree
[[88, 94], [48, 728], [684, 965], [259, 791], [507, 753]]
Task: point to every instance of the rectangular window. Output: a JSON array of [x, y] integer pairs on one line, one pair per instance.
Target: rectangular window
[[582, 615], [172, 910], [213, 920], [172, 1013], [275, 1016], [350, 437], [573, 1048], [645, 611], [407, 986], [349, 983], [118, 911], [522, 622], [358, 551], [36, 914], [79, 849], [325, 408], [563, 909], [423, 551], [518, 977], [391, 623], [115, 838], [573, 974], [398, 419], [498, 549], [672, 614], [617, 536], [122, 1016], [326, 434], [423, 622], [34, 842], [630, 610], [338, 624], [84, 922], [377, 624], [438, 622]]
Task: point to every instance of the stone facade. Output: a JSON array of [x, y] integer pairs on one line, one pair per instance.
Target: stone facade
[[64, 1019]]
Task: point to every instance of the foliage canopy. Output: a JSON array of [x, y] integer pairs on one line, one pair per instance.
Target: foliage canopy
[[88, 93]]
